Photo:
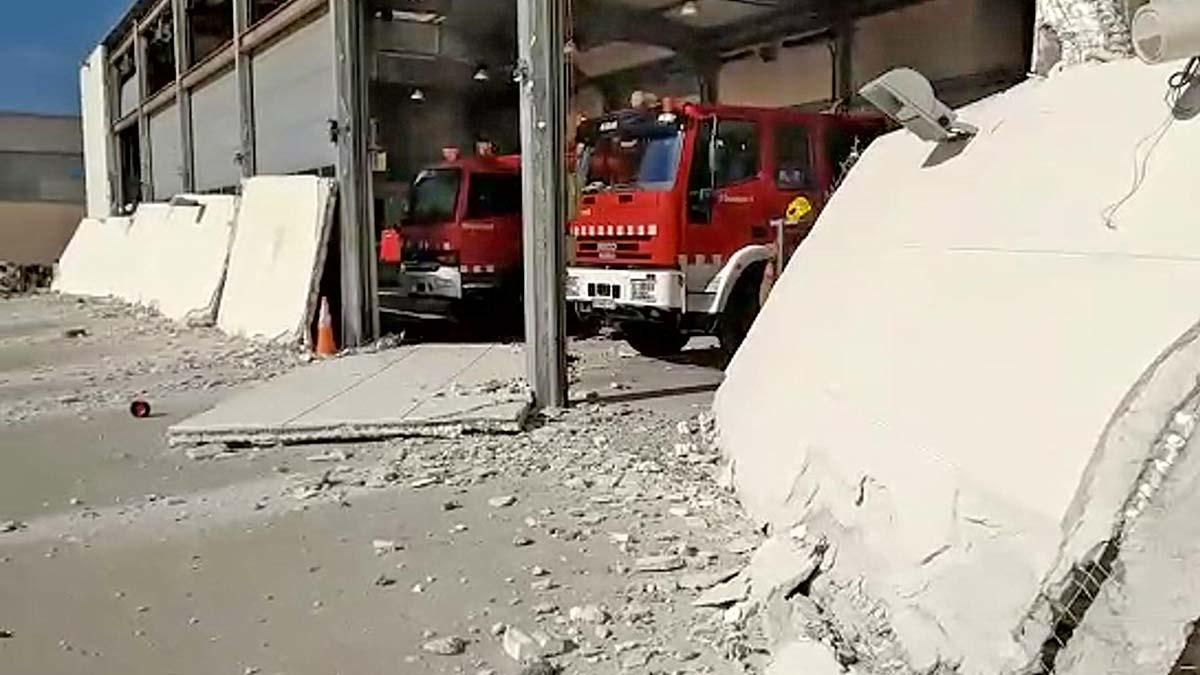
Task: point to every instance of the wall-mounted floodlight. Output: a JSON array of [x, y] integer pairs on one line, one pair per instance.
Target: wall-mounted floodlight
[[907, 97], [1166, 30]]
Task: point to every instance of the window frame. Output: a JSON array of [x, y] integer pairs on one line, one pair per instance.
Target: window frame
[[811, 162]]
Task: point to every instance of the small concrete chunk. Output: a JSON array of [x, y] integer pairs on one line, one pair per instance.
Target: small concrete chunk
[[659, 563], [728, 593], [807, 657], [447, 646], [502, 501], [589, 614]]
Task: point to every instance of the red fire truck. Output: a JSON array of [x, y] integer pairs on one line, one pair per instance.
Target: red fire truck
[[681, 210], [457, 254]]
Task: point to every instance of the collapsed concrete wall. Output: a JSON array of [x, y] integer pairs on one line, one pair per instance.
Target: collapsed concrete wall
[[277, 254], [959, 377], [168, 256]]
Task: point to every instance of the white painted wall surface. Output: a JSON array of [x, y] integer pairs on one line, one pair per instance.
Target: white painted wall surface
[[216, 134], [166, 153], [278, 248], [941, 38], [93, 83], [934, 370], [799, 75], [170, 258], [294, 99]]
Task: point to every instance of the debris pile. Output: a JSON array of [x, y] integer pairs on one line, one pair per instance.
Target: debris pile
[[156, 358], [16, 279]]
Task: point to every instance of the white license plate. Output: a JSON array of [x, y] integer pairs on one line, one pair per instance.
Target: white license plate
[[604, 303]]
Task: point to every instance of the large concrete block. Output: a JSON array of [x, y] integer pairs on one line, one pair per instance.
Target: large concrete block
[[183, 278], [942, 378], [94, 261], [168, 256], [277, 254]]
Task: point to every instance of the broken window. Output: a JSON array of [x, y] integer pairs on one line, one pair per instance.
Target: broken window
[[210, 27], [160, 53], [261, 9], [126, 100], [130, 158]]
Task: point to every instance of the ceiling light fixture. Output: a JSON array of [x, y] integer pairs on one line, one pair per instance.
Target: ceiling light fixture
[[481, 74], [417, 95], [689, 8]]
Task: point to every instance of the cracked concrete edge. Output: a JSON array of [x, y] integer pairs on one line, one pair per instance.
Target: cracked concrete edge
[[292, 435], [1112, 472]]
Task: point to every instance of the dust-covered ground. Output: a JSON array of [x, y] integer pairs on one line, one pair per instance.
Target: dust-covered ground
[[583, 541]]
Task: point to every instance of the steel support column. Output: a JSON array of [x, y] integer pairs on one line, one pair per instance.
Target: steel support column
[[359, 301], [183, 96], [242, 67], [543, 82], [146, 191], [844, 54]]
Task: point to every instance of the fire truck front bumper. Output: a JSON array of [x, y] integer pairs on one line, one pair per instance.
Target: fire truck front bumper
[[639, 293], [425, 295]]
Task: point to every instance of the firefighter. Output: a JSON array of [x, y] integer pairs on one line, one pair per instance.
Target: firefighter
[[797, 211]]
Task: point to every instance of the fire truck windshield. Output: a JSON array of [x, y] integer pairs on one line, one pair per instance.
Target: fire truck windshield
[[636, 162], [434, 196]]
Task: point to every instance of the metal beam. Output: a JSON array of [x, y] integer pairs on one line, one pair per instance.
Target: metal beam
[[796, 17], [146, 189], [183, 96], [243, 72], [843, 60], [600, 21], [359, 307], [541, 39]]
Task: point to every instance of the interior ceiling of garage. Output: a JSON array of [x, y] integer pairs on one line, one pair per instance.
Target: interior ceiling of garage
[[613, 35]]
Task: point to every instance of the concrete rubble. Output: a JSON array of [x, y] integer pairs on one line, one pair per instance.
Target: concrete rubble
[[142, 354]]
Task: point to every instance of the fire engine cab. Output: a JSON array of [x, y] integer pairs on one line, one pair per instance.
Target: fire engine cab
[[682, 213], [457, 253]]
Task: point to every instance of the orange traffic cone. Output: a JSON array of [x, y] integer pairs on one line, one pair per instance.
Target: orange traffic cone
[[325, 342]]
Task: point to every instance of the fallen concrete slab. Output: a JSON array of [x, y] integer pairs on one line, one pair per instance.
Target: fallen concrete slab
[[965, 416], [93, 263], [415, 390], [184, 268], [169, 256], [275, 261]]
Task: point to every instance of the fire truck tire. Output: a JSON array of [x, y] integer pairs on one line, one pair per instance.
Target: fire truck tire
[[654, 340], [741, 310]]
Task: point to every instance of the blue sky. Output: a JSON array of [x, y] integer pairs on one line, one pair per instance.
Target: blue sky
[[43, 43]]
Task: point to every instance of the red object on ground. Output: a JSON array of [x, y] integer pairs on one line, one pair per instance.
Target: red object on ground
[[139, 409]]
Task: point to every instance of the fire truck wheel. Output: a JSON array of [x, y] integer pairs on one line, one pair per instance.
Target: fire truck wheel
[[741, 310], [653, 339]]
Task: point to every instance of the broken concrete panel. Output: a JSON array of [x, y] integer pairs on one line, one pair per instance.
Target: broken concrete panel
[[722, 595], [183, 278], [780, 566], [168, 256], [369, 396], [94, 262], [936, 416], [277, 254], [1142, 618]]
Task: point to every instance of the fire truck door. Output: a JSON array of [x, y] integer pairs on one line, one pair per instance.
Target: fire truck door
[[725, 209]]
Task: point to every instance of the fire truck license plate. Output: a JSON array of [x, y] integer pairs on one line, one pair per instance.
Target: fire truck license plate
[[604, 303]]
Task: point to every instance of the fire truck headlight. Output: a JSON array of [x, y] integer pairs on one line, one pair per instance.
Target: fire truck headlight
[[643, 290], [572, 287]]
